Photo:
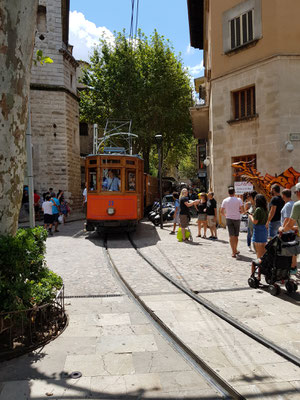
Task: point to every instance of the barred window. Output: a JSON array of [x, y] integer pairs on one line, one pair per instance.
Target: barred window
[[244, 103], [241, 29]]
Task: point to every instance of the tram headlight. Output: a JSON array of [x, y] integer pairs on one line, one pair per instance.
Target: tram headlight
[[110, 211]]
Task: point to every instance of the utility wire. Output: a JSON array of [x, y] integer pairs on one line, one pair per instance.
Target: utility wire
[[136, 17], [132, 18]]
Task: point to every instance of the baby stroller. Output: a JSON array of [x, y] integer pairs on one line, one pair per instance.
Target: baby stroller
[[276, 263]]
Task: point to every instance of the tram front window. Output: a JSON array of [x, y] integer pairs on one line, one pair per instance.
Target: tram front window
[[110, 180]]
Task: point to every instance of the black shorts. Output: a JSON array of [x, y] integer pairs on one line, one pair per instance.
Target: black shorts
[[48, 219], [55, 217], [233, 226]]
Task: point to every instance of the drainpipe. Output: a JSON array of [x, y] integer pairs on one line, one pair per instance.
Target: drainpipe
[[30, 170]]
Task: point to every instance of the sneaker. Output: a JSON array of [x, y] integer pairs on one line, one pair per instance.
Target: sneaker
[[211, 237], [215, 238], [172, 233]]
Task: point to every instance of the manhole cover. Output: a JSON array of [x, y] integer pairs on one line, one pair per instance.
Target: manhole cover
[[76, 375]]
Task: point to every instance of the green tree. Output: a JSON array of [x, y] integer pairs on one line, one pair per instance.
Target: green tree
[[144, 81]]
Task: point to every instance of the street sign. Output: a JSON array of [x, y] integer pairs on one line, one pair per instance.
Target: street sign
[[242, 187], [294, 136]]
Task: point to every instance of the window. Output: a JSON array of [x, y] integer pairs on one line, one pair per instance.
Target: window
[[111, 180], [42, 19], [251, 158], [111, 161], [131, 180], [244, 103], [241, 29], [92, 179], [242, 24], [83, 129]]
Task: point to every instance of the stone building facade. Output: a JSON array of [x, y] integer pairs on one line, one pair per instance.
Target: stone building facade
[[252, 85], [54, 106]]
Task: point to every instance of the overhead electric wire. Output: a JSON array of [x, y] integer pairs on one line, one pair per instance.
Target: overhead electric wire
[[132, 18], [136, 17]]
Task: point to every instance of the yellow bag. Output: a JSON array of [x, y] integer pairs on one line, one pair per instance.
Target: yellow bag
[[179, 234]]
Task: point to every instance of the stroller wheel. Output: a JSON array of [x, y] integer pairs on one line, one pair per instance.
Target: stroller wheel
[[291, 287], [253, 282], [274, 289]]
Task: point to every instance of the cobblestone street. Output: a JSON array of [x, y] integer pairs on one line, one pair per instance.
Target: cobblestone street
[[119, 353]]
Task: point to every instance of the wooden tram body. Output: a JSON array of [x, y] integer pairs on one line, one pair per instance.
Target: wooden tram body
[[117, 191]]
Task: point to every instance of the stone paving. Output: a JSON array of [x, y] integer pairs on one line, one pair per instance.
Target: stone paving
[[108, 339], [208, 268], [117, 350]]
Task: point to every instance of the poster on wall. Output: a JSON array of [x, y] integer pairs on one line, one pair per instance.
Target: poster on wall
[[242, 187]]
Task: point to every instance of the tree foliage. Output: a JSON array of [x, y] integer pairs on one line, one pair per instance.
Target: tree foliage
[[140, 80]]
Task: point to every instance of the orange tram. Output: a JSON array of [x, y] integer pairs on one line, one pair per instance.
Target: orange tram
[[118, 191]]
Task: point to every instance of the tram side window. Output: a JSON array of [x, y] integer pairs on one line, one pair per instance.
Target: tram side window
[[92, 181], [131, 180], [110, 180]]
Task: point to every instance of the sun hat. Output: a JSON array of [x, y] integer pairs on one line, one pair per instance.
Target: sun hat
[[297, 187]]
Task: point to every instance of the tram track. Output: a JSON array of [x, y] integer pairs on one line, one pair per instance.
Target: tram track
[[218, 312], [215, 380], [189, 353]]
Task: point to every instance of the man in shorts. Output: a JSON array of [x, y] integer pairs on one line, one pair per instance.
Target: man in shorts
[[184, 214], [211, 211], [232, 208], [48, 214]]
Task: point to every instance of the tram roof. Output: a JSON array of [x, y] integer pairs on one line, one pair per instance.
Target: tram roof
[[115, 154]]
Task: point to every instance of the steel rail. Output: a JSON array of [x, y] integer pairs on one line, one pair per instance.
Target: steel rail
[[226, 390], [220, 313]]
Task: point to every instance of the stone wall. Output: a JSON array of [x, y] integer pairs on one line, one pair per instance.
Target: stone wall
[[55, 110], [277, 85]]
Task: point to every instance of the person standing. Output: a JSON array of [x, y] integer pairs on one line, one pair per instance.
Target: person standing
[[259, 219], [276, 204], [232, 208], [48, 215], [286, 212], [176, 219], [184, 214], [211, 211], [293, 223], [36, 201], [250, 211], [55, 210], [84, 201], [202, 216]]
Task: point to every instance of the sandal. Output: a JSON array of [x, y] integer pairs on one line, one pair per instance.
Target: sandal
[[233, 255], [198, 235]]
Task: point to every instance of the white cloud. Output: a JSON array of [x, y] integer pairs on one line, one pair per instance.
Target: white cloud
[[189, 50], [84, 35], [197, 70]]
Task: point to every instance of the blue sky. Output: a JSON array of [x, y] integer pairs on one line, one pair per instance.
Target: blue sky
[[89, 19]]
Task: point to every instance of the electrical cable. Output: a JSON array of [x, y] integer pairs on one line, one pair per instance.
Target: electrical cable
[[136, 17], [132, 17]]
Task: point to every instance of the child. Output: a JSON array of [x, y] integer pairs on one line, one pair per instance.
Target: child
[[176, 214]]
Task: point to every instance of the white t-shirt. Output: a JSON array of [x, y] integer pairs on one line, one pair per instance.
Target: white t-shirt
[[84, 194], [232, 207], [47, 207]]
